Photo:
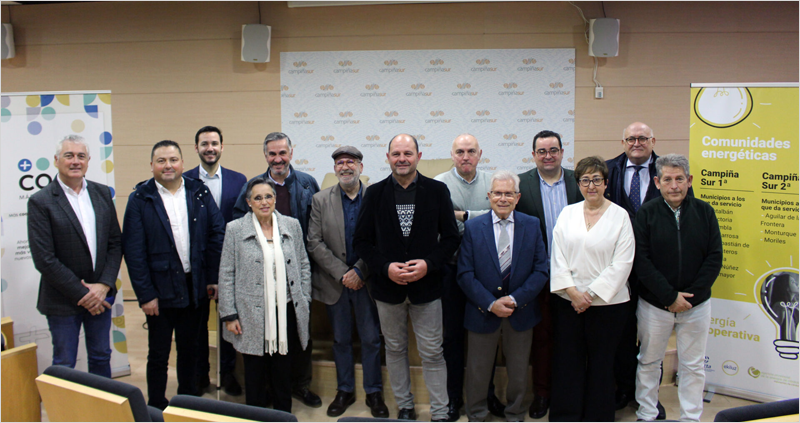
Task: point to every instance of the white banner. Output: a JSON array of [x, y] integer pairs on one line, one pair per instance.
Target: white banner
[[32, 124], [364, 98]]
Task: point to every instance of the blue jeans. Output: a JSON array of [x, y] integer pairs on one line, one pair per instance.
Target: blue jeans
[[368, 328], [65, 332]]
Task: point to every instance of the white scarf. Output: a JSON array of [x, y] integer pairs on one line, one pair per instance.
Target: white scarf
[[275, 338]]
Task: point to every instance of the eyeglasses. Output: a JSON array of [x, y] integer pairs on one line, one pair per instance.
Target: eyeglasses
[[259, 199], [642, 140], [348, 162], [543, 153], [597, 181], [500, 194], [471, 152]]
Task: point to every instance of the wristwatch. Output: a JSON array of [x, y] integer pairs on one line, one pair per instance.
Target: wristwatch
[[466, 215]]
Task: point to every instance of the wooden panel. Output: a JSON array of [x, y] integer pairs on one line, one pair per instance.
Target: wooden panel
[[176, 414], [67, 401], [4, 13], [538, 17], [117, 22], [19, 393], [8, 331]]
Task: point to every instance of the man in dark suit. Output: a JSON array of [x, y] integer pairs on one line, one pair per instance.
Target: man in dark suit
[[502, 267], [224, 185], [406, 232], [630, 184], [545, 191], [75, 243], [339, 281], [172, 239]]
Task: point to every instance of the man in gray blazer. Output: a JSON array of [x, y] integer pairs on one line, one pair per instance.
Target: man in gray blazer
[[75, 242], [339, 281]]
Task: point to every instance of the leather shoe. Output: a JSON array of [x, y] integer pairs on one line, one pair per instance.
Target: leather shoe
[[308, 398], [377, 406], [340, 403], [497, 408], [454, 409], [622, 400], [231, 385], [662, 413], [406, 414], [539, 407]]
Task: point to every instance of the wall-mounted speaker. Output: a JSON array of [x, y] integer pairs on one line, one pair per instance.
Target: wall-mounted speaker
[[8, 50], [256, 43], [604, 37]]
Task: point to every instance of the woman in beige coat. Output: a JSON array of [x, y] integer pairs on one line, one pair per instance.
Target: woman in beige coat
[[265, 294]]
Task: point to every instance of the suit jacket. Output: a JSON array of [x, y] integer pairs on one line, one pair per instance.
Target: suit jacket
[[60, 252], [232, 184], [241, 281], [480, 278], [326, 245], [379, 240], [615, 191], [530, 202], [153, 262]]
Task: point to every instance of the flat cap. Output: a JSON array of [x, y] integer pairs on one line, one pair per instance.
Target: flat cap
[[349, 150]]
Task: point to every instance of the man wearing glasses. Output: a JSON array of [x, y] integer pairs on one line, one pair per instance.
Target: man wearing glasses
[[545, 191], [339, 281], [630, 184]]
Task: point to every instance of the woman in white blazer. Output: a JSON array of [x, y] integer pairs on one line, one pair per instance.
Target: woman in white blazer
[[265, 294], [592, 256]]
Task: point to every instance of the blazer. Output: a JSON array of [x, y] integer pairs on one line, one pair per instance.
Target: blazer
[[302, 187], [530, 202], [241, 281], [615, 191], [479, 273], [153, 263], [232, 184], [378, 239], [60, 252], [326, 245]]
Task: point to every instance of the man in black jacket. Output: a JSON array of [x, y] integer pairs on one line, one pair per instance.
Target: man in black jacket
[[406, 232], [678, 258]]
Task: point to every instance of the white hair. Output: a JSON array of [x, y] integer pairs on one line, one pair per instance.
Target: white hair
[[504, 175], [77, 139]]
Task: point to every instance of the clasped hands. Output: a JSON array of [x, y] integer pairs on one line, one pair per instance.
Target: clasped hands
[[581, 301], [503, 307], [410, 271], [352, 281], [95, 300]]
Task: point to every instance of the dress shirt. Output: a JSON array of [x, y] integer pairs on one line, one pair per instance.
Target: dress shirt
[[554, 199], [350, 210], [82, 206], [214, 183], [644, 178], [177, 212], [510, 230], [599, 259]]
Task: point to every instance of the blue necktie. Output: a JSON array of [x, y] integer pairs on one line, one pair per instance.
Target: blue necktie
[[635, 189]]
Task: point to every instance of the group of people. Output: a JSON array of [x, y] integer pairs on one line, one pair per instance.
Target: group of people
[[583, 274]]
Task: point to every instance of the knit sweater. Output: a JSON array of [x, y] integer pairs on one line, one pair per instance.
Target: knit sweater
[[468, 197]]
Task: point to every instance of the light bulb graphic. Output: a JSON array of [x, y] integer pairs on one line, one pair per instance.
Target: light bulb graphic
[[779, 296]]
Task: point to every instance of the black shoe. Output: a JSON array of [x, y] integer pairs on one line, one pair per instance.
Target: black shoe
[[201, 384], [231, 385], [340, 403], [497, 408], [377, 406], [406, 414], [307, 397], [662, 413], [539, 407], [622, 400], [454, 409]]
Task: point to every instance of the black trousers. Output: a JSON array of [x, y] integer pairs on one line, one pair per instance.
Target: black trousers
[[301, 362], [583, 361], [275, 369], [453, 304], [227, 352], [184, 321], [626, 360]]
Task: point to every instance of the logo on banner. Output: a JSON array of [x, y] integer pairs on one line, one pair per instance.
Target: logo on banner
[[437, 114], [529, 116], [483, 163], [29, 182], [571, 66], [346, 65], [437, 66], [391, 66], [420, 138], [327, 88], [707, 365], [300, 65], [510, 141], [391, 115], [730, 368], [301, 162], [464, 87], [529, 66], [285, 95], [753, 372], [417, 93], [373, 87], [483, 66], [556, 85], [300, 119], [25, 165], [569, 119], [345, 119], [510, 89], [483, 118], [327, 138], [372, 142]]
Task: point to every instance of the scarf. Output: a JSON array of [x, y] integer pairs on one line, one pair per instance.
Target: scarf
[[275, 338]]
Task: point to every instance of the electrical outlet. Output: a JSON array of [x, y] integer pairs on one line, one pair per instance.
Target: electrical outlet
[[598, 92]]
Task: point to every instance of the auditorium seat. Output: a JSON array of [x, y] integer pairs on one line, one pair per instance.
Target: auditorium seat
[[19, 369], [186, 408], [778, 411]]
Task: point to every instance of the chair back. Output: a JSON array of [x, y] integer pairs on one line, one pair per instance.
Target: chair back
[[19, 370], [186, 408]]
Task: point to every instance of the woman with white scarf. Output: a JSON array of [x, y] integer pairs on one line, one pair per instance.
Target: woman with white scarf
[[265, 294]]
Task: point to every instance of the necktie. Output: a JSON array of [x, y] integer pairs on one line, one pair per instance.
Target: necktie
[[636, 188], [504, 247]]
